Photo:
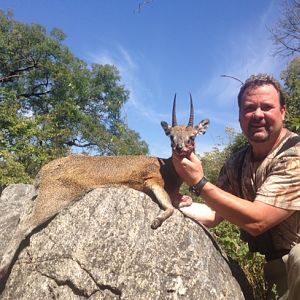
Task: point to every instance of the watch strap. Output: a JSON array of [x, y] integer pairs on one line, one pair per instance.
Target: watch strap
[[197, 188]]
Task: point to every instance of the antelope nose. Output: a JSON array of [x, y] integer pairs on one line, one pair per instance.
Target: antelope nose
[[179, 148]]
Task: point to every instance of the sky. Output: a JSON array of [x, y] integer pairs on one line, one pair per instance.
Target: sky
[[163, 47]]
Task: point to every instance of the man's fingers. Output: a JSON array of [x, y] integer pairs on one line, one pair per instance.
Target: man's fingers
[[185, 200], [193, 157], [187, 163]]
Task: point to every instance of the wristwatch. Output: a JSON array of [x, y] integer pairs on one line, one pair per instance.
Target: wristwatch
[[197, 188]]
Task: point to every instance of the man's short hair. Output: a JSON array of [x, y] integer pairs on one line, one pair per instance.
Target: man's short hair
[[258, 80]]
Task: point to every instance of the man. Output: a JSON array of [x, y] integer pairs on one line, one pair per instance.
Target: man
[[259, 187]]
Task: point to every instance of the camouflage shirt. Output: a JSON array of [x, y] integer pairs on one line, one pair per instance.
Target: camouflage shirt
[[274, 181]]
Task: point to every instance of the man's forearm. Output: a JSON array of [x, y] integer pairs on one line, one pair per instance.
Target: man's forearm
[[202, 213], [254, 217]]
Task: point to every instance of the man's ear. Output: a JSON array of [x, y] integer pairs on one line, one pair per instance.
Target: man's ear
[[283, 112], [202, 127], [166, 127]]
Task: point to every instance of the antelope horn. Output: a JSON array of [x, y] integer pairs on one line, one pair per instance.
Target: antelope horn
[[174, 121], [191, 120]]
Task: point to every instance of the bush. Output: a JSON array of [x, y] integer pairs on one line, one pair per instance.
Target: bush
[[228, 236]]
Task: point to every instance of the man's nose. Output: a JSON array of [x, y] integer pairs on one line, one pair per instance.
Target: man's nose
[[258, 113]]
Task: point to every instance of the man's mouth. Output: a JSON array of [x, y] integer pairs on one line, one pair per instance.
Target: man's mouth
[[257, 125]]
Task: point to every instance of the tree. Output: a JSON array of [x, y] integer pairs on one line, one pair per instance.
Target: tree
[[286, 32], [291, 77], [52, 103], [286, 37], [214, 160]]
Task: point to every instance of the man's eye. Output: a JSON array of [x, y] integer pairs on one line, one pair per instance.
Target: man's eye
[[190, 140], [266, 107], [249, 109]]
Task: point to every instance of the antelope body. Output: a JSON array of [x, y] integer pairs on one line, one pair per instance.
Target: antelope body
[[65, 180]]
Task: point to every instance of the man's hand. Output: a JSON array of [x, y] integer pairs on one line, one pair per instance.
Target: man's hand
[[188, 168], [182, 201], [201, 213]]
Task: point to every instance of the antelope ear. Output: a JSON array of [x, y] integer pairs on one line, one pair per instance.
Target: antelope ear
[[166, 127], [202, 127]]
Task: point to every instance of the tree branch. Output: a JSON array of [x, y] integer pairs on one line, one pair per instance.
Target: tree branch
[[77, 144], [28, 95], [286, 32], [16, 72]]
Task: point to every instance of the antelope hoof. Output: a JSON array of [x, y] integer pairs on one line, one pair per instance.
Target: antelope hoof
[[156, 223]]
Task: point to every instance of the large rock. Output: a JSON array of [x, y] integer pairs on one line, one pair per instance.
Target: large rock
[[12, 203], [103, 247]]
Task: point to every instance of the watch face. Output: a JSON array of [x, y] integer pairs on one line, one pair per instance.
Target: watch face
[[193, 189]]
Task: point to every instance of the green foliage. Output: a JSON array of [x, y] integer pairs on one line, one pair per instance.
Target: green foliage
[[228, 236], [291, 77], [213, 161], [52, 103], [239, 141]]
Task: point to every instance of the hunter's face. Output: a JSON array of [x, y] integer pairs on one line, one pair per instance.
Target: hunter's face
[[261, 116]]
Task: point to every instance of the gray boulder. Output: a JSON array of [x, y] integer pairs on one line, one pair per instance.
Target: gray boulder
[[12, 204], [102, 247]]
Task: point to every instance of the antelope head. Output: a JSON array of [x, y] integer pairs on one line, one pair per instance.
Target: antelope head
[[183, 137]]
